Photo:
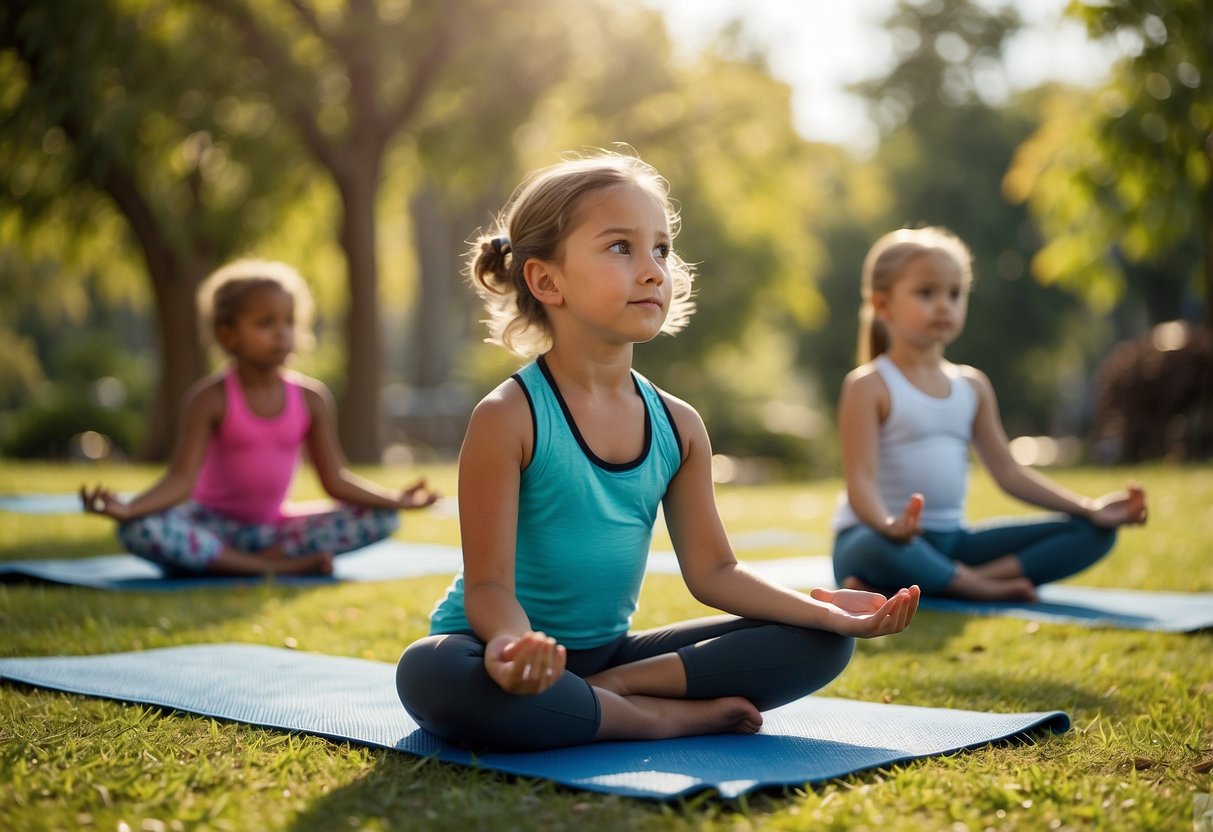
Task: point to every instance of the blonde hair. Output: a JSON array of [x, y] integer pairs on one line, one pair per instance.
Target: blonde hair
[[884, 264], [534, 223], [221, 296]]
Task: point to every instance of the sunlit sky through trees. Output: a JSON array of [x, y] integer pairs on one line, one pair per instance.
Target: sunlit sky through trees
[[819, 47]]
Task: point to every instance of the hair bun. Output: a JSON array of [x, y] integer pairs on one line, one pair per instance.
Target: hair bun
[[501, 245]]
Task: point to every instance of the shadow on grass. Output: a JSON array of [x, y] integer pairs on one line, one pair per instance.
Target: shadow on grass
[[50, 619], [407, 793], [1015, 690], [52, 546]]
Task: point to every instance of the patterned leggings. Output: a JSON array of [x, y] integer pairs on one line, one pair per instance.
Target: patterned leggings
[[188, 537]]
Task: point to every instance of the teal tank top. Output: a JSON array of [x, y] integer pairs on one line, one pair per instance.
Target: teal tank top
[[584, 525]]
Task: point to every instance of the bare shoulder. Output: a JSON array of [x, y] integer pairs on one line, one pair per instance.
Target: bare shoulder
[[207, 395], [687, 420], [506, 406], [865, 381], [975, 377], [314, 390]]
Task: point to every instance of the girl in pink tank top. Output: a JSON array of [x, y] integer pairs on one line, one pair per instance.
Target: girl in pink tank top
[[221, 508]]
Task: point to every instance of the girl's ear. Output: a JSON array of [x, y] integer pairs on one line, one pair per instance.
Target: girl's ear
[[880, 305], [225, 336], [541, 280]]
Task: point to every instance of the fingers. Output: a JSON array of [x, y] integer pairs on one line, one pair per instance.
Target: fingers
[[418, 495], [95, 499], [909, 606], [897, 612], [914, 508], [537, 663]]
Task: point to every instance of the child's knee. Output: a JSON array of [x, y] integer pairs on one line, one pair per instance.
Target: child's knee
[[424, 680], [837, 653], [378, 523], [830, 652], [1101, 539], [143, 536], [388, 519]]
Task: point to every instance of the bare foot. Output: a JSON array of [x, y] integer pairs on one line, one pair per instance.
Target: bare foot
[[270, 561], [651, 717], [969, 583], [1003, 568], [320, 563]]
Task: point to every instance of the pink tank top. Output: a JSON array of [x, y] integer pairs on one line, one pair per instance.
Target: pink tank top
[[250, 461]]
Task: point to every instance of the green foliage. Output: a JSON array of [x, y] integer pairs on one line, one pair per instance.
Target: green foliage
[[1137, 754], [101, 90], [1127, 177], [47, 428], [943, 153]]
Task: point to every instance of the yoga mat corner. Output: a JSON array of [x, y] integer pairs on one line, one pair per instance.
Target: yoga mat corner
[[354, 700]]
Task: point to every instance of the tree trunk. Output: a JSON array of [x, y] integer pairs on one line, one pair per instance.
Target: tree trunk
[[182, 359], [438, 264], [174, 282], [359, 413], [1206, 246]]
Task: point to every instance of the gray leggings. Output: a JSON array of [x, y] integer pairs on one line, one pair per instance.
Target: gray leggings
[[443, 685]]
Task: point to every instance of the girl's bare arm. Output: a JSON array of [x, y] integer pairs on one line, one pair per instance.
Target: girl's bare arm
[[201, 416], [715, 577], [328, 457]]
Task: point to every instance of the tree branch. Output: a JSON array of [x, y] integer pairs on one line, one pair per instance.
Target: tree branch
[[308, 15], [427, 69], [277, 60]]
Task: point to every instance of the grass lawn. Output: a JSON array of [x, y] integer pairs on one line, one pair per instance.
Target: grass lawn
[[1140, 750]]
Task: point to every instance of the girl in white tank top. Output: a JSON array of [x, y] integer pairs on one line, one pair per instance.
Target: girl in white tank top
[[907, 419]]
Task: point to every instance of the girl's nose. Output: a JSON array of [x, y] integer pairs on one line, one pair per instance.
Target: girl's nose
[[654, 271]]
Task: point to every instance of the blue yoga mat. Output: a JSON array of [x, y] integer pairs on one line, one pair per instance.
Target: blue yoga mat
[[1173, 612], [354, 700], [40, 503], [1131, 609], [387, 560]]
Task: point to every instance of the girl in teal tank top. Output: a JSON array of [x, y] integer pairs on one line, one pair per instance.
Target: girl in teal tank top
[[562, 472]]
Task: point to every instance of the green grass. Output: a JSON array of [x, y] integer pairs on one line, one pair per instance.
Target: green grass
[[1140, 749]]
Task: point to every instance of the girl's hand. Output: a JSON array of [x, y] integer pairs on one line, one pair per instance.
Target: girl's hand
[[526, 665], [1121, 508], [100, 500], [905, 527], [853, 612], [417, 495]]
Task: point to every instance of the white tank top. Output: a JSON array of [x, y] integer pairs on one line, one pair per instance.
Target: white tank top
[[924, 448]]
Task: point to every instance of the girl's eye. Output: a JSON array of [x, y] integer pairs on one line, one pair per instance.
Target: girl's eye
[[662, 251], [620, 247]]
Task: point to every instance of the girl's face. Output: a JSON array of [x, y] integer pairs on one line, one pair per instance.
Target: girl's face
[[263, 333], [927, 303], [613, 273]]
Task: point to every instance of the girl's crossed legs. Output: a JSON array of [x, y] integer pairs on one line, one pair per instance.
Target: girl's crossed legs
[[1000, 552], [191, 538], [729, 667]]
